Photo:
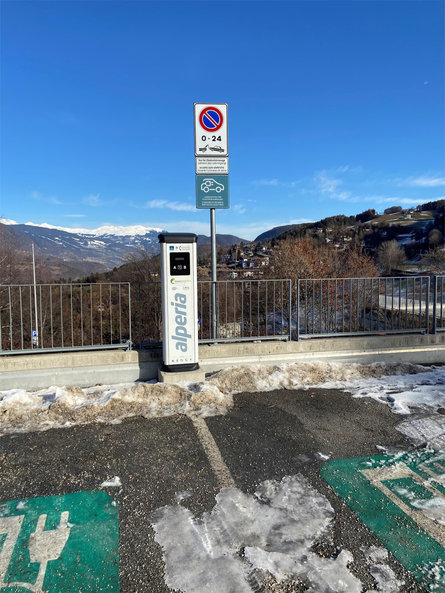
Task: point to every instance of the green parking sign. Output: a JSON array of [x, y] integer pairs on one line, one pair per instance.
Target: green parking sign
[[212, 191], [60, 544]]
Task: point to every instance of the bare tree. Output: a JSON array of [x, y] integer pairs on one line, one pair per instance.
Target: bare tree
[[306, 258], [390, 256], [435, 238], [433, 262]]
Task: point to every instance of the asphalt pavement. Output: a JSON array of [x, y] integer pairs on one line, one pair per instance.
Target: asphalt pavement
[[265, 436]]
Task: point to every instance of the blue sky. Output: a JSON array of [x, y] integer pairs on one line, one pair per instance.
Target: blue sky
[[334, 107]]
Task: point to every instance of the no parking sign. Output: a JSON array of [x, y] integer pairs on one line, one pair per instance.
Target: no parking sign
[[211, 129]]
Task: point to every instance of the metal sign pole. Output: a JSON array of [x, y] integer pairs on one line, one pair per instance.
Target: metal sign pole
[[213, 268], [212, 176], [35, 341]]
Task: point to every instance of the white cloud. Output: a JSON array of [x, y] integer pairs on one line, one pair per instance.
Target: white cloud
[[300, 220], [75, 215], [266, 182], [276, 183], [92, 200], [247, 231], [36, 195], [177, 206], [328, 185], [424, 181], [239, 208], [394, 200]]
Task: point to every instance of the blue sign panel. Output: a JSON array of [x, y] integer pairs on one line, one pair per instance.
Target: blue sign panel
[[212, 191]]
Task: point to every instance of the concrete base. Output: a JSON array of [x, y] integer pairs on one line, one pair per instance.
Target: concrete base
[[38, 371], [197, 376]]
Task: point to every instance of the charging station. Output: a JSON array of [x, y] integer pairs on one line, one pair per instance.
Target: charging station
[[179, 302]]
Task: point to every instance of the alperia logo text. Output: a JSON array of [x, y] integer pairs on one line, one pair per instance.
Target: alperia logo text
[[180, 332]]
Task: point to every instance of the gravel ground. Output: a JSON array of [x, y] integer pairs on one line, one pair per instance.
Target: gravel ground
[[265, 436]]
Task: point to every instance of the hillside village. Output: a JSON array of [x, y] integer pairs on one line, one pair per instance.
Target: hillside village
[[398, 240], [416, 231]]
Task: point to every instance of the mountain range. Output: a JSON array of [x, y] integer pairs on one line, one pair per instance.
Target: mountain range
[[76, 252]]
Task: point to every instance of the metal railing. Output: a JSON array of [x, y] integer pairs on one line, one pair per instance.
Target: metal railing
[[147, 313], [438, 308], [355, 306], [69, 317], [246, 310], [111, 315]]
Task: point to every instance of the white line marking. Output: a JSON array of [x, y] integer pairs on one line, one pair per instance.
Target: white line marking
[[213, 453]]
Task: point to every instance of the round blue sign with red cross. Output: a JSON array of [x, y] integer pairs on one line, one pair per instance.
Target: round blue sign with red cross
[[211, 119]]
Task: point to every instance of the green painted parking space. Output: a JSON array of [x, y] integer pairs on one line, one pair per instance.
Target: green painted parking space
[[401, 498], [60, 544]]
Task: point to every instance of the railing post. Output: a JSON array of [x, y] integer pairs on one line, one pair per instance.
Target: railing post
[[290, 309], [434, 291], [427, 305], [139, 315], [130, 336], [214, 312], [297, 308]]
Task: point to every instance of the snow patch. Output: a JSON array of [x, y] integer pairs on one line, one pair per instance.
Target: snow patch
[[114, 482], [400, 386], [383, 575], [246, 538]]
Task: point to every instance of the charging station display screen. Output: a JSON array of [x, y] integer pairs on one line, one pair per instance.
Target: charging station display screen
[[179, 264]]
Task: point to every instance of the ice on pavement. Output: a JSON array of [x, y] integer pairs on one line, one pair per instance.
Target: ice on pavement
[[246, 538], [400, 386], [384, 576], [114, 482]]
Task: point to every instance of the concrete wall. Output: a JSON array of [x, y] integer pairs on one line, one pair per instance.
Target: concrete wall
[[37, 371]]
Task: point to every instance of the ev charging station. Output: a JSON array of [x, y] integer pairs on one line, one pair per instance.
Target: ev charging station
[[179, 302]]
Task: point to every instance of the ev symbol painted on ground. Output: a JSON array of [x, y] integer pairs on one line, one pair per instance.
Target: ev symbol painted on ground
[[59, 544], [44, 546], [401, 498]]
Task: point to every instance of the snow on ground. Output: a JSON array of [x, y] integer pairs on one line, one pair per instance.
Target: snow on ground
[[245, 539], [400, 386], [261, 541], [384, 576]]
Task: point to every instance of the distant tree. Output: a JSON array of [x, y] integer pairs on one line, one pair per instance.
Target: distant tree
[[390, 256], [307, 258], [366, 215], [435, 238], [433, 262], [393, 210], [436, 205]]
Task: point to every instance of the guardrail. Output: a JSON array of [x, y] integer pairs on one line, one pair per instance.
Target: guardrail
[[438, 306], [246, 310], [64, 317], [357, 306], [116, 315]]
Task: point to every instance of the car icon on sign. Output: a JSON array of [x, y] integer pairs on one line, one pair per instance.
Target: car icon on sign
[[210, 184]]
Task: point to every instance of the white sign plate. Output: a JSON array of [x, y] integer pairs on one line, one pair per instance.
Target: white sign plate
[[219, 164], [211, 137]]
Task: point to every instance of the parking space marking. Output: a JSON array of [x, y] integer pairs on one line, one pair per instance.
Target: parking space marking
[[401, 498], [213, 453], [60, 544]]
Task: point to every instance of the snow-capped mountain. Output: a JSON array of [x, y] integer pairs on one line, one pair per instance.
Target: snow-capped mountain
[[107, 246]]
